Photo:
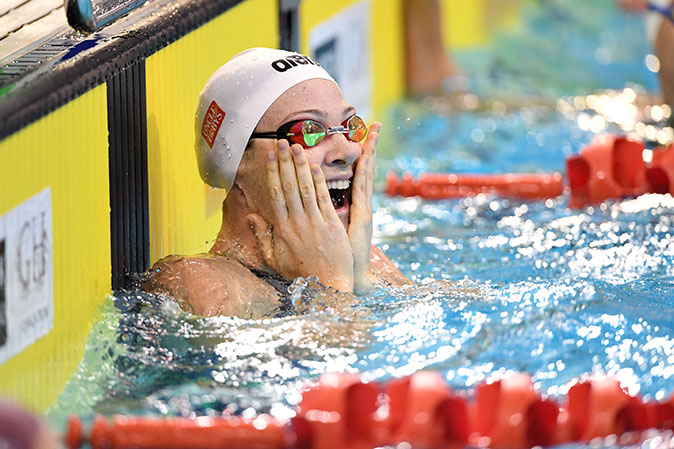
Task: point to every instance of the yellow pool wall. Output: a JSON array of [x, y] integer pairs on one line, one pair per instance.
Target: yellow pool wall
[[67, 151], [71, 162]]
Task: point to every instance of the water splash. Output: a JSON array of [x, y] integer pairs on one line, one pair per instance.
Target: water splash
[[502, 285]]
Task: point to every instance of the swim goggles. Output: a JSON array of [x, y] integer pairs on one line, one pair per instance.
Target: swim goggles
[[665, 11], [310, 133]]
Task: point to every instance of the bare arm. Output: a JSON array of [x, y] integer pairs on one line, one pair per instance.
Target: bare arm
[[198, 285], [384, 270], [664, 48]]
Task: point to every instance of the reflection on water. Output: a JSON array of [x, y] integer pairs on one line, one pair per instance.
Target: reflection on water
[[548, 291], [143, 344], [568, 292], [502, 285]]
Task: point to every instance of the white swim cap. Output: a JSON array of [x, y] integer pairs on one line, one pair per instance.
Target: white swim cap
[[234, 100]]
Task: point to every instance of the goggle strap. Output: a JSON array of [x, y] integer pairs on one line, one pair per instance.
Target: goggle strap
[[284, 131]]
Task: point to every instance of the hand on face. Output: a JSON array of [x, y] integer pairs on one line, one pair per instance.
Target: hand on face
[[305, 237], [360, 220]]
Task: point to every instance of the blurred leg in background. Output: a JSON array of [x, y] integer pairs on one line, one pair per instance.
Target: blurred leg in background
[[663, 44], [428, 65], [660, 33]]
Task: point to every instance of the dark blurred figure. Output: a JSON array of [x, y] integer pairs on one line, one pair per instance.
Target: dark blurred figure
[[20, 429]]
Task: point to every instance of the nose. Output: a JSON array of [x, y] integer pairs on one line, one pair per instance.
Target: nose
[[341, 151]]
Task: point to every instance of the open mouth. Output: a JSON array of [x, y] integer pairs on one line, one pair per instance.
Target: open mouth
[[340, 193]]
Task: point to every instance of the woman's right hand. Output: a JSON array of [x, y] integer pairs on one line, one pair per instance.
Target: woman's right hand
[[305, 236]]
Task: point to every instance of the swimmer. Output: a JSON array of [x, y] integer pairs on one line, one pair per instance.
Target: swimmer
[[659, 23], [273, 129]]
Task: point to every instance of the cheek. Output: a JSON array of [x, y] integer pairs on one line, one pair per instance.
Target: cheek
[[252, 174], [315, 156], [255, 190], [358, 148]]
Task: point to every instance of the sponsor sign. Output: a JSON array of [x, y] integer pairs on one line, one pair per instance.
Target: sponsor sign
[[26, 274], [341, 45], [212, 122]]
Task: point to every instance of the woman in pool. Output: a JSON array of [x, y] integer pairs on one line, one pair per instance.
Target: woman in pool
[[273, 129]]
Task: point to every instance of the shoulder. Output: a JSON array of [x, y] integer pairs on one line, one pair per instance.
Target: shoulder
[[205, 285], [385, 270]]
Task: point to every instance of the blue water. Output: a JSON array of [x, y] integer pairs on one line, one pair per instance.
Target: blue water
[[502, 285]]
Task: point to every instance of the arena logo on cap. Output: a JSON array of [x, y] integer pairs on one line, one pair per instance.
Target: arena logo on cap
[[212, 122], [281, 65]]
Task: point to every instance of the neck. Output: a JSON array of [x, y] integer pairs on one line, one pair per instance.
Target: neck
[[236, 238]]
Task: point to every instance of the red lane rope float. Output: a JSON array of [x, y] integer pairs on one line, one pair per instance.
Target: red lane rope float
[[610, 167], [594, 408], [424, 410], [614, 167], [127, 432], [345, 411], [508, 413], [340, 412], [434, 186], [660, 173]]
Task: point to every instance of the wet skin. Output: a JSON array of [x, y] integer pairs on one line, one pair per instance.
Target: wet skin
[[305, 236], [280, 215]]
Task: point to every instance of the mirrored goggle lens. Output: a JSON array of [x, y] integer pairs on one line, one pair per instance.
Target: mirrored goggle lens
[[307, 133], [313, 132], [357, 128]]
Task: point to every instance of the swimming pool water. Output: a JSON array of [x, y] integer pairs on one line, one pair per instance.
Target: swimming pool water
[[502, 285]]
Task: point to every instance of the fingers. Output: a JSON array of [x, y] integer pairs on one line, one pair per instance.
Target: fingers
[[370, 178], [369, 171], [276, 195], [361, 193], [370, 144], [359, 187], [360, 222], [322, 195], [369, 149], [306, 183], [289, 179], [263, 235]]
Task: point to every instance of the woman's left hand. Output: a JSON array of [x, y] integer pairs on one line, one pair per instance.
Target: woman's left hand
[[360, 223]]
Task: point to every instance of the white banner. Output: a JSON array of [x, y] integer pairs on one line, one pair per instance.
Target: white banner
[[341, 45], [26, 274]]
